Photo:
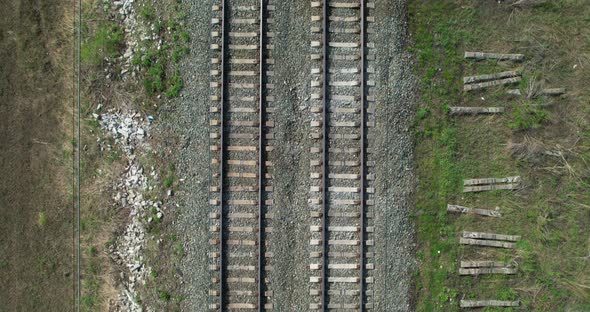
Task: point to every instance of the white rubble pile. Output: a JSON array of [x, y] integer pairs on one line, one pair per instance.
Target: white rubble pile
[[129, 131], [135, 32]]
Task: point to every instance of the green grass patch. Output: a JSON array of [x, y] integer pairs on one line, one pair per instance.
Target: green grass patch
[[159, 62], [179, 249], [41, 219], [106, 42], [164, 295], [437, 51], [169, 181], [527, 140], [175, 85], [528, 116], [147, 12]]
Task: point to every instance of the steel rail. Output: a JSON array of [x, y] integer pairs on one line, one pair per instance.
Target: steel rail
[[222, 158], [325, 121], [363, 154], [261, 159]]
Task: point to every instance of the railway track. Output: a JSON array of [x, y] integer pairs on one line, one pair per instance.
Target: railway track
[[241, 145], [341, 195]]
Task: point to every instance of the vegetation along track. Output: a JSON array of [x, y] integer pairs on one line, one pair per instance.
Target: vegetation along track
[[341, 192], [241, 142]]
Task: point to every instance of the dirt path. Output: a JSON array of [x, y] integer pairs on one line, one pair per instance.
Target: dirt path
[[35, 205]]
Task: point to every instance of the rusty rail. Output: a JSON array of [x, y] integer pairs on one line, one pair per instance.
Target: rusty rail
[[325, 121], [363, 154], [261, 160], [222, 156]]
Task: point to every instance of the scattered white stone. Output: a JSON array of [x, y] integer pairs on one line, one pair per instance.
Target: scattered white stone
[[129, 131]]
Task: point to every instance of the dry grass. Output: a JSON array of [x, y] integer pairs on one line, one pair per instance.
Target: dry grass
[[546, 144], [37, 122]]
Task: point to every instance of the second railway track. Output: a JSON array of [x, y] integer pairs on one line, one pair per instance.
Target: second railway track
[[341, 195], [241, 162]]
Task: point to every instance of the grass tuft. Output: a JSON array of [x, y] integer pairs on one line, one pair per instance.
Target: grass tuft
[[106, 42], [527, 116], [41, 219]]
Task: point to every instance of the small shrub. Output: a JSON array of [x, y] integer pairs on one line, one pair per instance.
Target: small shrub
[[93, 123], [184, 36], [41, 219], [176, 85], [179, 249], [529, 263], [177, 54], [173, 25], [107, 42], [169, 180], [94, 269], [181, 15], [112, 157], [136, 59], [448, 138], [92, 251], [147, 12], [422, 113], [46, 265], [164, 295], [154, 81], [88, 301], [507, 294], [158, 27], [109, 243], [528, 117]]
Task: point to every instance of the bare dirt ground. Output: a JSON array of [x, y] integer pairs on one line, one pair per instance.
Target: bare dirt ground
[[35, 204]]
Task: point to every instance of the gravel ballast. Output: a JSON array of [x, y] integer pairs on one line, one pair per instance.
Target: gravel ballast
[[190, 122], [395, 179], [289, 241]]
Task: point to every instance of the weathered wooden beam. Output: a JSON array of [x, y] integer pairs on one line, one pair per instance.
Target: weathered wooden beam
[[460, 110], [485, 264], [481, 212], [493, 83], [514, 92], [486, 243], [483, 235], [494, 56], [488, 303], [481, 181], [494, 76], [490, 187], [552, 91], [484, 271]]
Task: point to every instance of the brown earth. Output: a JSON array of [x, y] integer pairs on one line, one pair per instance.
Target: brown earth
[[35, 156]]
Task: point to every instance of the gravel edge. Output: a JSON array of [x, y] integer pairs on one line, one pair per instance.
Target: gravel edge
[[396, 181], [190, 121]]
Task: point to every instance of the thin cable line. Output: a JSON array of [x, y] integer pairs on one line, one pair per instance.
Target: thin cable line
[[73, 156], [79, 144]]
